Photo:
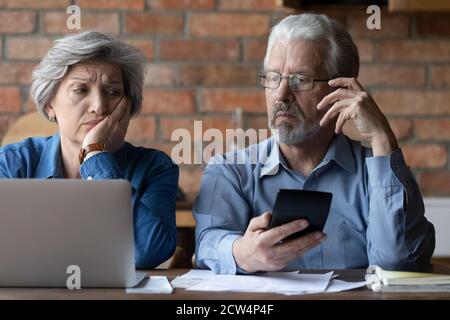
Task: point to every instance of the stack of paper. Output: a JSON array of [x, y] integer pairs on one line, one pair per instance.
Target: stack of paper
[[395, 281], [288, 283]]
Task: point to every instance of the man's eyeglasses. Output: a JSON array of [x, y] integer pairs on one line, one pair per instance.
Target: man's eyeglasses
[[296, 81]]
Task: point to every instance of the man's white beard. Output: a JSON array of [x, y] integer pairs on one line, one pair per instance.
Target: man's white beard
[[287, 133], [299, 134]]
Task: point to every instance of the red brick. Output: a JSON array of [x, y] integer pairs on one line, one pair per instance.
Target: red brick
[[198, 50], [433, 129], [161, 75], [33, 4], [257, 122], [391, 26], [146, 47], [254, 49], [10, 100], [435, 183], [55, 22], [252, 5], [5, 122], [190, 179], [425, 155], [219, 75], [365, 49], [111, 4], [168, 101], [16, 73], [17, 22], [141, 128], [169, 124], [440, 75], [152, 23], [402, 128], [413, 102], [228, 24], [226, 100], [336, 9], [180, 5], [377, 74], [339, 14], [21, 48], [433, 25], [406, 50], [216, 122]]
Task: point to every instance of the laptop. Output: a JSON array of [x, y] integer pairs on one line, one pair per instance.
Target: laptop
[[52, 229]]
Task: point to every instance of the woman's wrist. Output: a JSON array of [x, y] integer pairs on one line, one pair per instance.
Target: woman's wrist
[[91, 149]]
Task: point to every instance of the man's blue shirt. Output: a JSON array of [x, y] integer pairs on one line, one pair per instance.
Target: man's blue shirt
[[376, 215]]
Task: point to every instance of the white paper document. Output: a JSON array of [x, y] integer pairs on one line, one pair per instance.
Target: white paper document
[[153, 284], [288, 283], [192, 278], [339, 285]]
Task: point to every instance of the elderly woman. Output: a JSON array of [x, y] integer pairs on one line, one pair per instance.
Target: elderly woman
[[90, 84]]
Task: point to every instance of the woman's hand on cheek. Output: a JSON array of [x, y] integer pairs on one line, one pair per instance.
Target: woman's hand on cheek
[[118, 135], [112, 129]]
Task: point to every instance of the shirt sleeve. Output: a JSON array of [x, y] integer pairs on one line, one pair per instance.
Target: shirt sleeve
[[100, 166], [154, 203], [3, 170], [14, 163], [222, 215], [398, 234]]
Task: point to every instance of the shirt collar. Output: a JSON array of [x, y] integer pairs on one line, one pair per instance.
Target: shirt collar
[[270, 159], [339, 151], [50, 162]]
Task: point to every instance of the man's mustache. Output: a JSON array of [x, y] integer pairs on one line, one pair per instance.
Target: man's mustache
[[291, 107]]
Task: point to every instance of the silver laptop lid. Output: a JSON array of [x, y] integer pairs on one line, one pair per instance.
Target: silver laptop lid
[[48, 225]]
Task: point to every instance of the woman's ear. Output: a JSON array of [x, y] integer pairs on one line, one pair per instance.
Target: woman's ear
[[50, 113]]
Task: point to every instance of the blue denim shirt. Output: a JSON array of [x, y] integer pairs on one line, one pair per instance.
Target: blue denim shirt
[[152, 174], [376, 215]]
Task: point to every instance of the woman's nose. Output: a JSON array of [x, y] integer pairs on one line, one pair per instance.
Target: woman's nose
[[99, 103]]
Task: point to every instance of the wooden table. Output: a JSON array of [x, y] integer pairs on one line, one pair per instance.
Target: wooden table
[[184, 216], [185, 219], [181, 294]]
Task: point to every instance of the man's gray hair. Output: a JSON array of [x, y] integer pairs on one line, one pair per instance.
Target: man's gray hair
[[343, 59], [89, 45]]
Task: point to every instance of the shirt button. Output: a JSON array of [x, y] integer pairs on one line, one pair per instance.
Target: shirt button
[[89, 178]]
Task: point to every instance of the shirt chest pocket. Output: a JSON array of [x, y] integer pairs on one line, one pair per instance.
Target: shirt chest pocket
[[354, 245]]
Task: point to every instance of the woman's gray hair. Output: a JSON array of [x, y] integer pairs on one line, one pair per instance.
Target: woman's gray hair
[[89, 45], [343, 59]]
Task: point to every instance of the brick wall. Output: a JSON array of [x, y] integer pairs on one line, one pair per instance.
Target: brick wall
[[204, 56]]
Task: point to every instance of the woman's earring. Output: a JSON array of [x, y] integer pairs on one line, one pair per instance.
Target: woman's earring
[[52, 118]]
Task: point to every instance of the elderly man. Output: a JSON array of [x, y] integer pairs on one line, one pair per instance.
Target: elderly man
[[377, 212]]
